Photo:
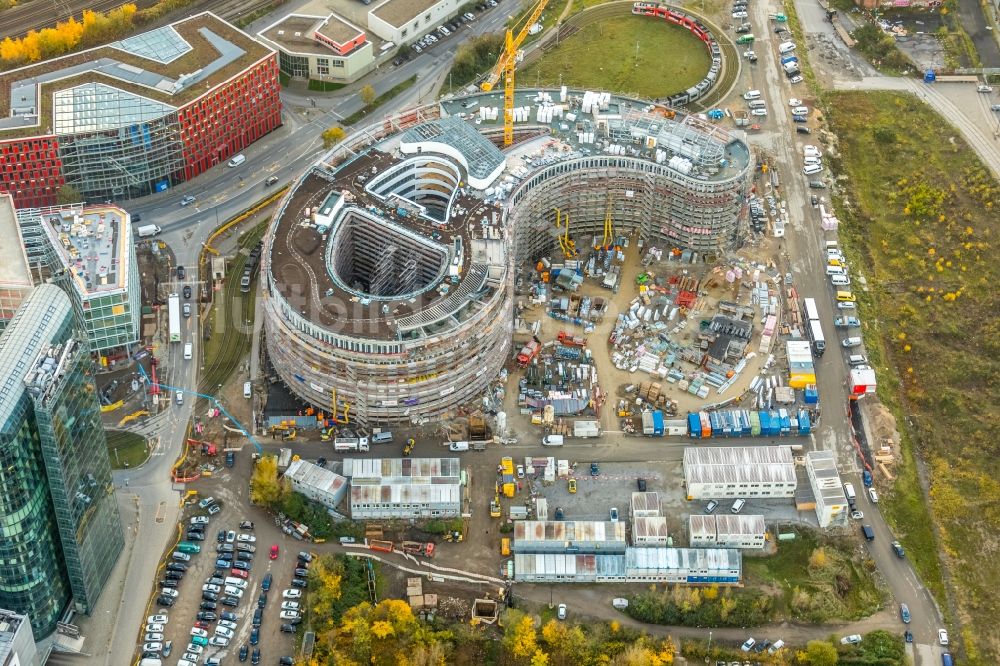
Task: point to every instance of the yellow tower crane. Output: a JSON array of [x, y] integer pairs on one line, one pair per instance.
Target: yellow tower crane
[[505, 67]]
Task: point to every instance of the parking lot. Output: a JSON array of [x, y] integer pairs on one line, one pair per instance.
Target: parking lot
[[230, 494]]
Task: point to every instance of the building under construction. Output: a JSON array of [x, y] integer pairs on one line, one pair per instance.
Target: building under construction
[[389, 266]]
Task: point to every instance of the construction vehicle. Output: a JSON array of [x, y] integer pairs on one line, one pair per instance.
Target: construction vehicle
[[505, 546], [495, 506], [571, 340], [408, 449], [418, 548], [529, 352], [454, 537], [507, 476], [505, 67], [381, 546]]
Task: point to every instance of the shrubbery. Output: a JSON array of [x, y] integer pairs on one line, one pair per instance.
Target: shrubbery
[[702, 607]]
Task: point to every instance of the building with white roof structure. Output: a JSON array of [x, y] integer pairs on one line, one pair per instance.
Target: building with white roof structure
[[569, 568], [684, 565], [317, 483], [568, 536], [702, 530], [645, 504], [17, 641], [404, 21], [317, 45], [831, 503], [739, 471], [386, 488], [650, 531], [746, 532]]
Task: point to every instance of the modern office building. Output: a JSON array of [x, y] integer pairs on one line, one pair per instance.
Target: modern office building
[[61, 530], [15, 273], [389, 266], [386, 488], [326, 48], [17, 642], [136, 116], [714, 472]]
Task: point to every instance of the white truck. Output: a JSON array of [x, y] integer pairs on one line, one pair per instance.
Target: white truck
[[147, 230], [350, 444], [174, 315]]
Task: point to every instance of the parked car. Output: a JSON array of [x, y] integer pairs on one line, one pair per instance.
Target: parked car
[[853, 639], [188, 200], [898, 549], [904, 613], [711, 506], [748, 644], [561, 612], [942, 636], [851, 342], [291, 594]]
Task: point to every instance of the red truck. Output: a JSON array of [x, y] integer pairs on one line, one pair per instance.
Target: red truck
[[383, 546], [529, 352], [571, 340], [418, 548]]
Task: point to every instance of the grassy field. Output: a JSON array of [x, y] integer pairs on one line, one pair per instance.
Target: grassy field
[[819, 580], [602, 56], [126, 449], [921, 223]]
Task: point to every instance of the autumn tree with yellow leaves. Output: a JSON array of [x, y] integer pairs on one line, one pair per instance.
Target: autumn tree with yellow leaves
[[95, 28]]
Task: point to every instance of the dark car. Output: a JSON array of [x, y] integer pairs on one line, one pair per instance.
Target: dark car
[[244, 652], [177, 566], [286, 661], [321, 462], [262, 600], [225, 548], [207, 616], [594, 469], [642, 485], [257, 615], [168, 583], [230, 458], [215, 580], [246, 525], [559, 513], [244, 557], [255, 657], [232, 617], [221, 536], [232, 602], [224, 557], [305, 557], [255, 636], [180, 273], [209, 596], [803, 130], [271, 180], [245, 566], [208, 605], [898, 548], [288, 628], [164, 601], [302, 573], [174, 575], [195, 536], [266, 583], [187, 291]]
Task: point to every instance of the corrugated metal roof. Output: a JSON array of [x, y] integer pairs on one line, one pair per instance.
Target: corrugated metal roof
[[739, 464], [686, 559], [308, 474], [569, 530], [649, 527], [728, 526], [701, 526], [645, 504], [402, 471], [563, 564], [406, 494]]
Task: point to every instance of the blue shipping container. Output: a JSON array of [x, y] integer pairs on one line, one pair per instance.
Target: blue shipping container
[[775, 430], [804, 426], [658, 423], [694, 425]]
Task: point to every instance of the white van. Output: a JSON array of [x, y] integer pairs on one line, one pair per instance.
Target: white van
[[188, 351], [552, 440], [751, 94], [236, 582], [840, 280], [836, 270], [384, 437], [247, 390], [458, 446], [812, 160], [786, 47], [800, 111], [238, 160], [738, 505], [810, 169], [757, 104]]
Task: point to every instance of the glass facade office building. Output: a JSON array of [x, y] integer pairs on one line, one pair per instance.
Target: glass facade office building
[[60, 532]]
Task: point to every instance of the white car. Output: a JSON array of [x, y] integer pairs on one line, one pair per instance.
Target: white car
[[740, 15], [811, 169], [234, 591], [289, 605], [211, 587], [943, 636], [169, 592], [748, 644], [157, 619], [813, 151], [846, 305], [228, 624], [195, 631], [853, 639], [873, 496], [758, 112], [194, 649], [153, 646], [153, 636], [225, 632], [292, 594], [812, 160], [796, 79], [857, 515], [520, 471], [154, 626], [801, 111], [230, 536], [207, 502], [246, 538], [794, 102], [199, 520], [289, 615], [219, 641]]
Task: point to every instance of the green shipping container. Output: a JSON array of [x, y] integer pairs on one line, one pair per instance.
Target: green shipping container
[[755, 423]]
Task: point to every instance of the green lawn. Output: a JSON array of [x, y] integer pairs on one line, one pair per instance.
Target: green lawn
[[921, 224], [126, 449], [602, 56]]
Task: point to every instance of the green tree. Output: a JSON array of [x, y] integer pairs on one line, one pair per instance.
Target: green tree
[[68, 194], [367, 94], [821, 653], [332, 136]]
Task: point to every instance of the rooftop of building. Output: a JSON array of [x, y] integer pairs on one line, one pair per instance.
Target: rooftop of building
[[745, 524], [14, 269], [403, 471], [569, 564], [398, 13], [310, 474], [28, 334], [692, 559], [294, 33], [648, 503], [649, 527], [569, 530], [590, 123], [760, 464], [322, 283], [481, 157], [125, 82], [10, 623], [93, 243]]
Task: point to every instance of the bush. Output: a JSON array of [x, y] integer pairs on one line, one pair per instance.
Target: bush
[[688, 606], [313, 514], [475, 57]]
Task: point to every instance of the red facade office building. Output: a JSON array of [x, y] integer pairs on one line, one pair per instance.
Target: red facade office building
[[136, 116]]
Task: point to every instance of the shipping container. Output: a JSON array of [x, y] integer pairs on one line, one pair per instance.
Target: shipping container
[[694, 425]]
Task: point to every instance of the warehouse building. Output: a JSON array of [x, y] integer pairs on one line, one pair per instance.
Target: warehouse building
[[831, 503], [739, 471], [745, 532], [317, 483], [325, 48], [568, 536], [683, 565], [388, 488], [136, 116], [650, 531], [568, 568], [403, 21], [702, 530], [645, 505]]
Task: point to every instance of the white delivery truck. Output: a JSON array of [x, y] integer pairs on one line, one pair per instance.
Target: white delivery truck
[[147, 230], [350, 444], [552, 440]]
